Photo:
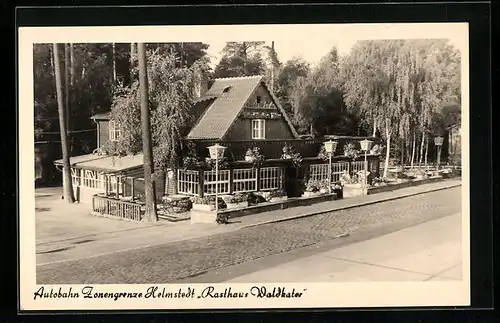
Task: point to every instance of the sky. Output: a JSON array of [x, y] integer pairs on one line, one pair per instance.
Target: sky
[[311, 51]]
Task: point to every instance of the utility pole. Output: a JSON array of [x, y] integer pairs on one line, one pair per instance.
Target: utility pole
[[68, 185], [146, 136], [272, 67]]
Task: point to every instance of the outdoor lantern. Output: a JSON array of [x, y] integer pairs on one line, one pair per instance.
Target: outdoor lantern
[[330, 146], [216, 151], [438, 141], [366, 144]]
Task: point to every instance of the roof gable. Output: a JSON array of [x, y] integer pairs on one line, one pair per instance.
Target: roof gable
[[231, 96]]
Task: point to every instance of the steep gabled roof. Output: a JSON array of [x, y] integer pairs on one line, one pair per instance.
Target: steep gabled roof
[[231, 95]]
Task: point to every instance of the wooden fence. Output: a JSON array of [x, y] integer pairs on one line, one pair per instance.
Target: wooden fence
[[106, 206]]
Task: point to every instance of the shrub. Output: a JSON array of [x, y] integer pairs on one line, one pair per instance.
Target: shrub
[[313, 186], [238, 198], [253, 198], [277, 193], [209, 200]]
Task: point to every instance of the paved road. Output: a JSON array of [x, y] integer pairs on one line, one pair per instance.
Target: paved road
[[175, 261], [425, 252]]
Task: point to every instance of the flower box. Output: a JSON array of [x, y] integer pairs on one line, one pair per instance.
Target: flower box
[[203, 207], [311, 194], [237, 205], [279, 199], [249, 158], [351, 190]]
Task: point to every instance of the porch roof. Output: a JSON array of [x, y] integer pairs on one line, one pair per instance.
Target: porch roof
[[105, 163]]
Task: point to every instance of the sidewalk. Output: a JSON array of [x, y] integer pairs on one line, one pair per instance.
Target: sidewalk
[[69, 232], [399, 256]]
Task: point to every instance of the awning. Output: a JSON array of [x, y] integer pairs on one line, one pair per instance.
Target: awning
[[105, 163]]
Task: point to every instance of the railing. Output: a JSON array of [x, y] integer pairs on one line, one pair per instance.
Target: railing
[[271, 149], [102, 205]]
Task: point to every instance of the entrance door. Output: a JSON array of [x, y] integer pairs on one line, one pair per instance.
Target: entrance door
[[293, 181]]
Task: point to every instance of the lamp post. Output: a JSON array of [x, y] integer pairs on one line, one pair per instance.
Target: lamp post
[[438, 141], [330, 147], [215, 152], [365, 146]]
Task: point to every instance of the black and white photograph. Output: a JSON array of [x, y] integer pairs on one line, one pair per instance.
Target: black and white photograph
[[244, 165]]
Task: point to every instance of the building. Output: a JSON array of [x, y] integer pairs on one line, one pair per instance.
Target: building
[[240, 113]]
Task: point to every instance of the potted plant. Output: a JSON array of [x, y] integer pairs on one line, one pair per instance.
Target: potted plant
[[278, 195], [351, 151], [352, 185], [324, 187], [237, 201], [255, 156], [312, 188], [288, 152], [207, 203]]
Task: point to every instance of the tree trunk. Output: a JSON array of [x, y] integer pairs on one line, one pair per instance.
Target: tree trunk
[[426, 150], [388, 149], [132, 61], [68, 187], [146, 137], [72, 62], [114, 62], [421, 149], [374, 127], [414, 143], [66, 88], [402, 152]]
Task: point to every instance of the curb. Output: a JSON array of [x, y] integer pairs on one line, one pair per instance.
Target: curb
[[349, 206]]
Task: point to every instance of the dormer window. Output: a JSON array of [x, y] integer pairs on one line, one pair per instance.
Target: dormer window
[[114, 131], [226, 90]]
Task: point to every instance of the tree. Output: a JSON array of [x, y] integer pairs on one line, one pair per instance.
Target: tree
[[171, 95], [241, 59], [146, 136], [68, 187]]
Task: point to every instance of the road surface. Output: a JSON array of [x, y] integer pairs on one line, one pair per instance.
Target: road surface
[[186, 260]]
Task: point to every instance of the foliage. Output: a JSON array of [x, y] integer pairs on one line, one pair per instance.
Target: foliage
[[171, 94], [277, 193], [313, 186], [289, 152], [209, 200], [254, 198], [376, 149], [210, 163], [257, 157], [238, 198], [351, 151], [241, 59], [346, 178]]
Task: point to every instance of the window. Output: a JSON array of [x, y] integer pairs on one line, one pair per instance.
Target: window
[[209, 182], [258, 129], [114, 131], [226, 90], [188, 182], [244, 180], [259, 99], [270, 178]]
